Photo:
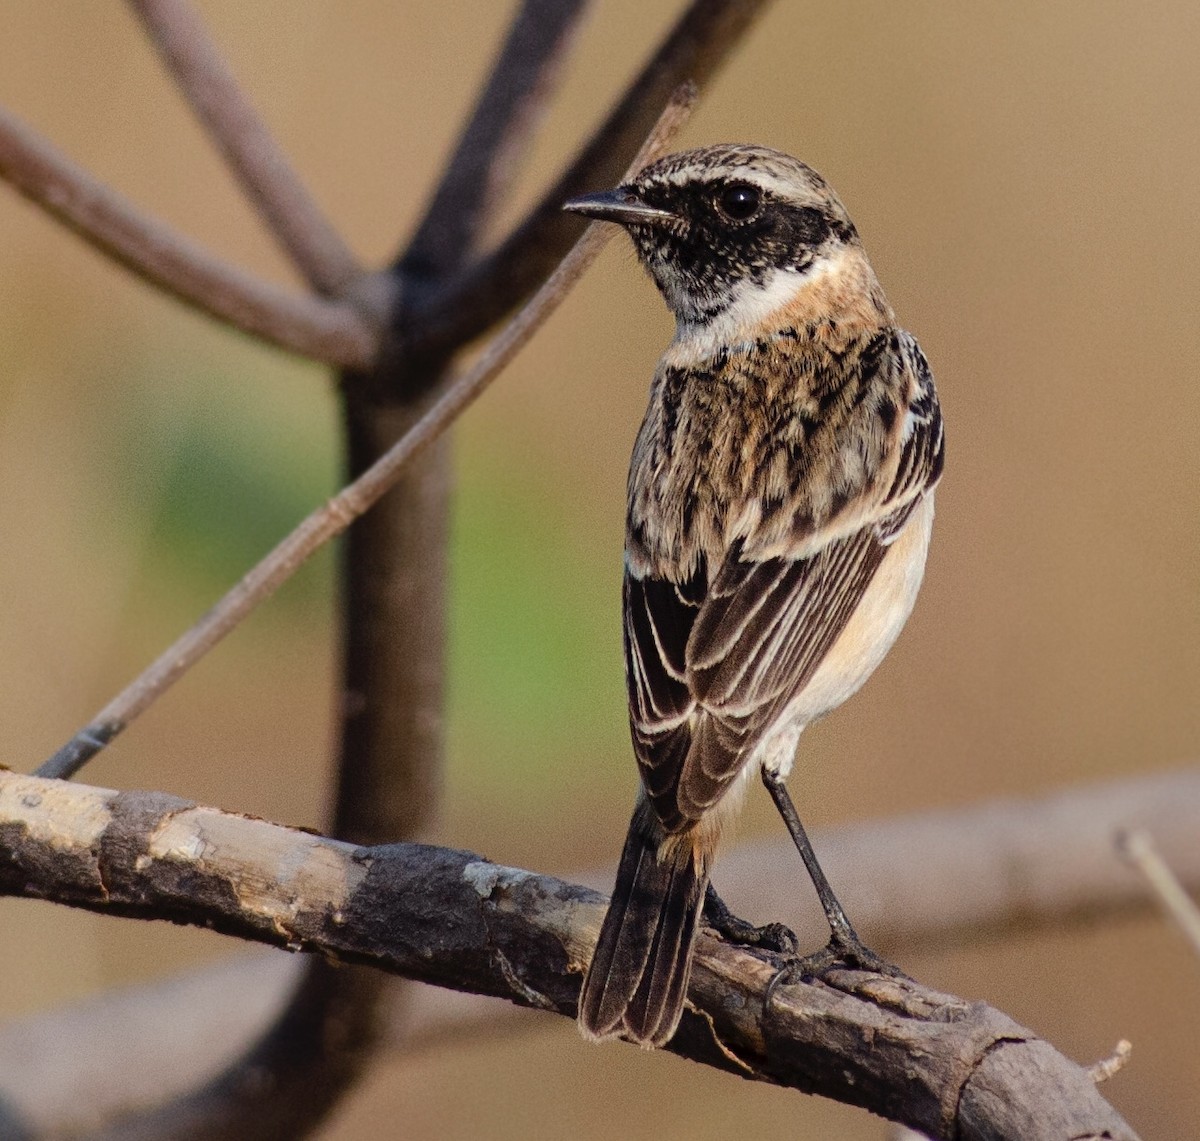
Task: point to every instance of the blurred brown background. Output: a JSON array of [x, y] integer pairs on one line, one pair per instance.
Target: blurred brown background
[[1025, 178]]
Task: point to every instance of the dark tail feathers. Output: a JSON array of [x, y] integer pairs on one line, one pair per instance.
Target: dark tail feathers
[[638, 978]]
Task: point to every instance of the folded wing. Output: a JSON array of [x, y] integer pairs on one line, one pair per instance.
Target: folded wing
[[711, 663]]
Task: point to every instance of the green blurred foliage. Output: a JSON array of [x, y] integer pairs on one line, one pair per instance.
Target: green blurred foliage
[[218, 464], [534, 631], [222, 470]]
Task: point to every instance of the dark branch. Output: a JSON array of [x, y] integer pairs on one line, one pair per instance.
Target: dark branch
[[488, 152], [325, 331], [390, 762], [478, 297], [927, 880], [248, 147], [946, 1067]]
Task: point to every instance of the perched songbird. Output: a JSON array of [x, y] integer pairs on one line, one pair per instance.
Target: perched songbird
[[780, 505]]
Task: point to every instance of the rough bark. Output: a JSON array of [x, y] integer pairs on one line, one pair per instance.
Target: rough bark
[[949, 1068], [912, 881]]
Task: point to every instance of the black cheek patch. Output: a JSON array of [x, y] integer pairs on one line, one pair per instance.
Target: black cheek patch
[[803, 226]]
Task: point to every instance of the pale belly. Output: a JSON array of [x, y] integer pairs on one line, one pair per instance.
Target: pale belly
[[862, 645]]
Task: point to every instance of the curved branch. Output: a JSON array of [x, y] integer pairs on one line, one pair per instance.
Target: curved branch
[[949, 1068], [249, 149], [470, 302], [322, 330]]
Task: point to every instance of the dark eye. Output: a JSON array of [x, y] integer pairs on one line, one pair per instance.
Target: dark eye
[[739, 201]]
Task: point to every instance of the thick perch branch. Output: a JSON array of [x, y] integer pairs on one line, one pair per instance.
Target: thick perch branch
[[936, 1063], [942, 878]]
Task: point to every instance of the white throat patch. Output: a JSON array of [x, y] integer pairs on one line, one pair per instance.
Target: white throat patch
[[752, 305]]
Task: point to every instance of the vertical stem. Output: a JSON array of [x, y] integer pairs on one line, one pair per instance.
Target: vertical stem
[[394, 569]]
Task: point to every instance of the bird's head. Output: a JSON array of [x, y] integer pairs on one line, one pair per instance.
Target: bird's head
[[728, 231]]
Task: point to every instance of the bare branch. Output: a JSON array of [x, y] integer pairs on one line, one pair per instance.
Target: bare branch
[[335, 516], [949, 1068], [959, 875], [1138, 848], [901, 876], [472, 301], [111, 1052], [325, 331], [247, 146], [390, 760], [1109, 1067], [393, 594], [484, 162]]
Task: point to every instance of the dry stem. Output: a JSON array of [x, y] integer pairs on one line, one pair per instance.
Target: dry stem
[[249, 149], [1137, 847], [332, 332], [335, 516]]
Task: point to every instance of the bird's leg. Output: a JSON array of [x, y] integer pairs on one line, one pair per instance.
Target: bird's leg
[[844, 944], [772, 936]]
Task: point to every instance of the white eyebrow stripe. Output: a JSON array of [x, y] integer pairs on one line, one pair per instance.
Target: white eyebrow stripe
[[776, 185]]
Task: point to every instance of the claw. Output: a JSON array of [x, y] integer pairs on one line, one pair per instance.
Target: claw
[[771, 936], [853, 952]]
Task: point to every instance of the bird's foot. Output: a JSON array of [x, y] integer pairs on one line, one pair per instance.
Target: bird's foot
[[770, 936], [844, 950], [847, 949]]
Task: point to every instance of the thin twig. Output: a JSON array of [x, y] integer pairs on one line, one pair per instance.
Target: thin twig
[[335, 516], [322, 330], [1137, 848], [249, 149], [474, 300], [483, 164], [1109, 1067]]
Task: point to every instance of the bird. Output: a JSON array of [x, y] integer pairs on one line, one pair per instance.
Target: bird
[[780, 504]]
